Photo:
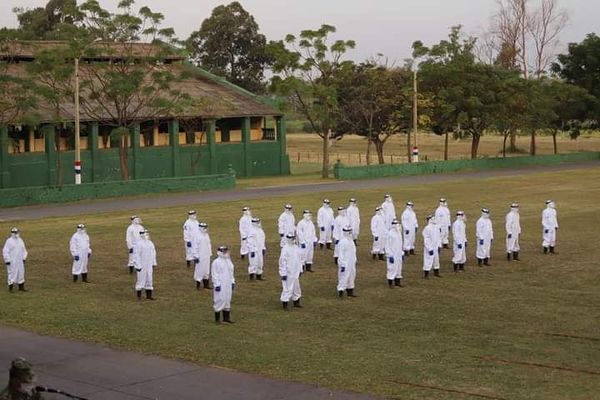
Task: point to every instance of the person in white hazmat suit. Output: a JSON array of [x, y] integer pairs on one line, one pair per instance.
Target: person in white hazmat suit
[[245, 226], [286, 223], [202, 253], [410, 225], [550, 226], [353, 213], [443, 221], [341, 221], [307, 240], [346, 264], [484, 233], [513, 232], [459, 239], [389, 210], [79, 246], [379, 232], [223, 280], [395, 254], [290, 268], [131, 239], [325, 220], [145, 263], [432, 243], [190, 236], [15, 255], [257, 249]]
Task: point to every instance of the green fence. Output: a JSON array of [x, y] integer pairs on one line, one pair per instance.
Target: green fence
[[436, 167], [87, 191]]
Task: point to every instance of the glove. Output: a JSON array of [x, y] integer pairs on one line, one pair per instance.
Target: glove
[[131, 251], [232, 286], [189, 244], [76, 258], [376, 238], [196, 260], [252, 254], [430, 252], [281, 235], [244, 239], [332, 227], [217, 288], [391, 260], [303, 245], [337, 241], [510, 235], [406, 232], [89, 255], [8, 263], [264, 252], [439, 250], [546, 230], [449, 227], [481, 242], [138, 269], [416, 230], [459, 246], [343, 269], [322, 229], [284, 278]]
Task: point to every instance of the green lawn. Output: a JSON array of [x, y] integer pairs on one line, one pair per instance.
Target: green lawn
[[478, 332]]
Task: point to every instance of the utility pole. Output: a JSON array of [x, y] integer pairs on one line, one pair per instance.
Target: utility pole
[[77, 130], [415, 105]]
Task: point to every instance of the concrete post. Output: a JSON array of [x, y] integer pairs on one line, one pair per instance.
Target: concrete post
[[50, 147], [174, 143], [4, 171], [211, 126], [135, 152], [93, 129], [246, 141]]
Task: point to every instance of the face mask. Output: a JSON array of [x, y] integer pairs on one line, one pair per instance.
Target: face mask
[[194, 217], [15, 235], [308, 217]]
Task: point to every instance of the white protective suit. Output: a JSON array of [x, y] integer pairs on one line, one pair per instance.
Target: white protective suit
[[245, 227], [290, 267], [443, 221], [286, 225], [379, 232], [145, 262], [15, 254], [131, 239], [307, 238], [346, 262], [394, 252], [340, 222], [432, 242], [550, 226], [513, 230], [389, 211], [202, 253], [459, 236], [354, 216], [190, 236], [485, 235], [223, 281], [410, 226], [256, 248], [79, 246], [325, 220]]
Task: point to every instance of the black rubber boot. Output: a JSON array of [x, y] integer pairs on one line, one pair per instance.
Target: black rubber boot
[[436, 273], [480, 262], [309, 267], [390, 283], [131, 269], [508, 256], [227, 316], [243, 256], [445, 245], [329, 246], [516, 256], [350, 293], [138, 294], [412, 252], [486, 261], [545, 250], [22, 287], [84, 278], [552, 249], [321, 245], [285, 305], [398, 282], [381, 257], [340, 294], [461, 267], [197, 285], [149, 295], [252, 277], [206, 283], [75, 278], [259, 277], [297, 303], [10, 287], [188, 263], [374, 256], [406, 253], [335, 260], [455, 267], [217, 317], [425, 274]]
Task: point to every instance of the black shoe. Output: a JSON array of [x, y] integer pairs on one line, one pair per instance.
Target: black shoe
[[381, 257], [516, 256], [198, 285], [309, 267], [545, 250], [285, 305], [445, 246], [552, 250], [84, 278], [480, 262], [138, 294], [374, 256], [321, 245], [436, 273], [243, 256], [188, 263], [206, 283], [461, 267], [217, 317], [508, 256], [149, 295], [259, 277], [252, 277], [390, 283], [486, 261], [227, 317], [425, 274], [10, 287], [131, 269], [455, 267], [406, 253], [22, 287], [340, 294], [350, 293], [412, 252], [297, 303], [75, 277], [329, 246], [335, 259], [398, 282]]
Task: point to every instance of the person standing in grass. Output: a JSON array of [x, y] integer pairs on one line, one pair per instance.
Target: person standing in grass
[[513, 231], [131, 239], [389, 210], [223, 280], [245, 226], [431, 248], [257, 249], [290, 269], [325, 220], [340, 222], [484, 233], [550, 225], [79, 246], [354, 217], [395, 254], [15, 255], [346, 263], [190, 236], [202, 254], [307, 239], [410, 225], [459, 237], [286, 223], [443, 221], [378, 231], [145, 263]]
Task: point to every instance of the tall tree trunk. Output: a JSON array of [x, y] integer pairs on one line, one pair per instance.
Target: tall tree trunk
[[554, 142], [325, 169], [475, 145], [506, 135], [123, 158], [369, 151], [379, 148], [446, 147], [408, 147], [532, 147], [59, 179], [513, 142]]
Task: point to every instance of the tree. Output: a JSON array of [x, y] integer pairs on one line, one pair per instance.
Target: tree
[[43, 23], [512, 106], [305, 70], [374, 101], [229, 44], [544, 26]]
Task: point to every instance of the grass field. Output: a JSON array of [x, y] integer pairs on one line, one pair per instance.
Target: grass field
[[527, 330]]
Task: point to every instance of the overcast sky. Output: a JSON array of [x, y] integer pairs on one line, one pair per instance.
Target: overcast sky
[[378, 26]]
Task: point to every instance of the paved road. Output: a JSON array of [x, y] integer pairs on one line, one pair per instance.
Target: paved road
[[97, 373], [180, 199]]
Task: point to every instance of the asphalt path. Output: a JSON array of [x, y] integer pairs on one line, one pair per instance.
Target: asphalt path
[[181, 199]]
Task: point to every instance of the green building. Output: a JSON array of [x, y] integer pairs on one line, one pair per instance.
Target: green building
[[227, 126]]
